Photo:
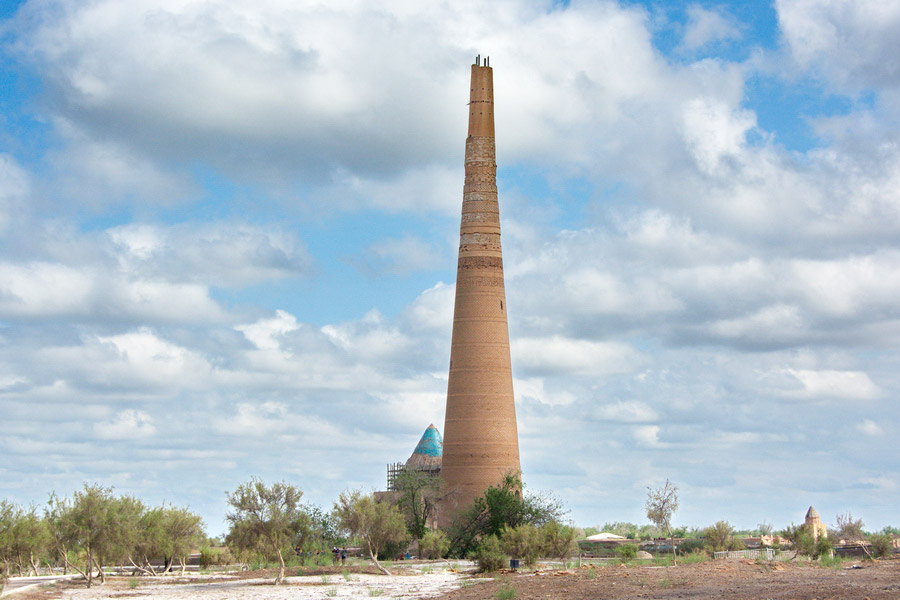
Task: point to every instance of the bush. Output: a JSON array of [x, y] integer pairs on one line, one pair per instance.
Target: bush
[[521, 542], [435, 544], [824, 547], [628, 551], [690, 546], [489, 556], [557, 540], [214, 557], [882, 545]]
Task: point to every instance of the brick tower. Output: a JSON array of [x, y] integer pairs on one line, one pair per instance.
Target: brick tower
[[481, 442]]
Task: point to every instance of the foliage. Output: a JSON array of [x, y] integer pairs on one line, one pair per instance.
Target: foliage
[[500, 507], [557, 540], [661, 505], [434, 544], [489, 555], [506, 592], [690, 546], [802, 540], [267, 520], [417, 495], [23, 536], [521, 542], [720, 537], [627, 551], [849, 529], [376, 523], [823, 547], [214, 556], [882, 545]]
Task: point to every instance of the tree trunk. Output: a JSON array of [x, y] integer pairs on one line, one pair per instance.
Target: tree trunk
[[33, 565], [100, 573], [181, 560], [280, 577], [90, 566], [374, 557], [672, 540]]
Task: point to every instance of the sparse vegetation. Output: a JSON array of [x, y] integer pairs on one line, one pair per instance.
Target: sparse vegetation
[[661, 505], [489, 555]]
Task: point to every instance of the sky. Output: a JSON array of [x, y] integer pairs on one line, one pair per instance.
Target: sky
[[228, 239]]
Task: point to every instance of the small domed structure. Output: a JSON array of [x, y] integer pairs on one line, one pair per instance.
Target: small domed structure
[[428, 452], [816, 527]]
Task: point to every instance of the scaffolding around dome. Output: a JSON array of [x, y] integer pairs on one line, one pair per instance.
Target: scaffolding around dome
[[426, 457]]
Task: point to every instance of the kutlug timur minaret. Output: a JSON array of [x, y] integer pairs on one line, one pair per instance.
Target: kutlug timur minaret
[[481, 442]]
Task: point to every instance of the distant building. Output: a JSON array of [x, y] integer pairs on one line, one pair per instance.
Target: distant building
[[816, 526]]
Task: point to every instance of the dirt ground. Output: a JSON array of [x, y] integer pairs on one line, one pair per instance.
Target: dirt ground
[[729, 579]]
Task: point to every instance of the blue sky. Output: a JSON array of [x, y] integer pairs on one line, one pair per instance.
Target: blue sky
[[228, 238]]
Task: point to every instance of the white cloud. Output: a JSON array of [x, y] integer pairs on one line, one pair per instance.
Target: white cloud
[[707, 26], [126, 425], [850, 385], [647, 436], [852, 43], [870, 428], [626, 412], [576, 357]]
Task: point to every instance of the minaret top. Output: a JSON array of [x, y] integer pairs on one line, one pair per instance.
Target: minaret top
[[481, 99]]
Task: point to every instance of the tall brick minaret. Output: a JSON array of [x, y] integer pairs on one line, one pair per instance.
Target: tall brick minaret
[[481, 442]]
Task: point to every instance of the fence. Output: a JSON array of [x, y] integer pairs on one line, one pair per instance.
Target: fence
[[767, 553]]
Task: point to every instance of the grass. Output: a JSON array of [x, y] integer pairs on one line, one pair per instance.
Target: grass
[[835, 562], [331, 592], [374, 592], [694, 557], [346, 574], [506, 592], [426, 570], [324, 578], [133, 583]]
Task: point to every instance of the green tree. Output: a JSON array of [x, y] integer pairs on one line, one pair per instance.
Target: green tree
[[661, 505], [266, 520], [500, 507], [378, 524], [183, 531], [417, 495]]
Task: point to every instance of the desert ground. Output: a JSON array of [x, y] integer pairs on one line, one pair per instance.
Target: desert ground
[[730, 579]]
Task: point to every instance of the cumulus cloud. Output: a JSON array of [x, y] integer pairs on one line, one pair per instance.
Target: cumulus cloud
[[127, 425], [707, 26]]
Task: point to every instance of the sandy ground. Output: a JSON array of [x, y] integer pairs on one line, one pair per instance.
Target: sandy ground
[[424, 581]]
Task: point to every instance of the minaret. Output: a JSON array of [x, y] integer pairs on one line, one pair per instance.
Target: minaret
[[481, 442]]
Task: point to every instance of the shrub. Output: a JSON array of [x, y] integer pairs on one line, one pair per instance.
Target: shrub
[[628, 551], [435, 544], [690, 546], [212, 557], [824, 547], [882, 545], [521, 542], [489, 556]]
